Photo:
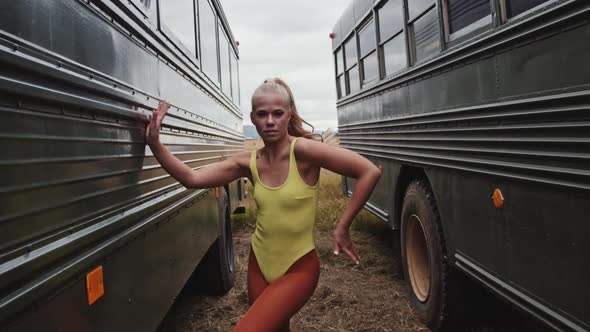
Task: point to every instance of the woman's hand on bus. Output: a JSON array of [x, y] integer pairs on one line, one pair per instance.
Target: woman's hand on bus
[[343, 242], [152, 135]]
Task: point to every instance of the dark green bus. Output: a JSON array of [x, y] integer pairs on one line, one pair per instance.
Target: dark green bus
[[479, 112], [94, 234]]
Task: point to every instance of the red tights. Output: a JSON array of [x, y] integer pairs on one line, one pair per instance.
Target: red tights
[[271, 306]]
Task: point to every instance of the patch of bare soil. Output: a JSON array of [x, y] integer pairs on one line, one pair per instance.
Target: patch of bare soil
[[369, 297]]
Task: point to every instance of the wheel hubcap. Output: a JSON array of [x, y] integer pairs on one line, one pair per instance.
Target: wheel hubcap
[[418, 258]]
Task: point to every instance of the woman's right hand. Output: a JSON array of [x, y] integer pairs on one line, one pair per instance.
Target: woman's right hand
[[152, 134], [343, 242]]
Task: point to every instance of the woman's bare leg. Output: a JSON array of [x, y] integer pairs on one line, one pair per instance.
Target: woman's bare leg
[[273, 305]]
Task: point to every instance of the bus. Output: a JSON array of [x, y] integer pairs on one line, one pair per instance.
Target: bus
[[478, 112], [94, 234]]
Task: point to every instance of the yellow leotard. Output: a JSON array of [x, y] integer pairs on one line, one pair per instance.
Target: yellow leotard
[[285, 220]]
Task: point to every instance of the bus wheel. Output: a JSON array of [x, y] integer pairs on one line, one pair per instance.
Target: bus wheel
[[423, 257], [216, 272]]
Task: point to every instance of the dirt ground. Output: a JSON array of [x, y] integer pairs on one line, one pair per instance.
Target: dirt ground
[[367, 297]]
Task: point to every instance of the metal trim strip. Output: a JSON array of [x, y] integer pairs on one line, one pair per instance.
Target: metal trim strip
[[501, 151], [511, 293], [486, 171], [461, 113], [466, 160], [38, 185]]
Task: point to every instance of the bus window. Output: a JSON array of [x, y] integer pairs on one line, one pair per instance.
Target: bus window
[[224, 62], [391, 19], [339, 73], [208, 25], [368, 55], [235, 79], [417, 8], [178, 17], [394, 54], [339, 62], [464, 16], [391, 36], [353, 80], [425, 35], [517, 7], [352, 73], [350, 52]]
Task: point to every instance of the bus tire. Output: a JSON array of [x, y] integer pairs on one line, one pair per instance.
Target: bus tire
[[215, 274], [423, 256]]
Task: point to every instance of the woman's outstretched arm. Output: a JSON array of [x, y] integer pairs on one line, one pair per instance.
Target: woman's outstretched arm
[[213, 175], [350, 164]]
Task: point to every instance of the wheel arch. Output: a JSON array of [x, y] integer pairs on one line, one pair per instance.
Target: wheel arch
[[408, 174]]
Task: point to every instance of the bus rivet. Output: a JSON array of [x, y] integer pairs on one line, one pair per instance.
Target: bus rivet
[[498, 198]]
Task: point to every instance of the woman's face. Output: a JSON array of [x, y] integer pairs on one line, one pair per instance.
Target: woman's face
[[270, 116]]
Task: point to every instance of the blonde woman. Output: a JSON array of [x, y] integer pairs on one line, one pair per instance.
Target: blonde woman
[[283, 267]]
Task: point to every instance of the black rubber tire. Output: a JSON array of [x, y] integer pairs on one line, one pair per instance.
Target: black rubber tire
[[425, 257], [215, 274]]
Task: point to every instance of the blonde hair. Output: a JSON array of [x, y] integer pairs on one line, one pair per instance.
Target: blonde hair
[[278, 86]]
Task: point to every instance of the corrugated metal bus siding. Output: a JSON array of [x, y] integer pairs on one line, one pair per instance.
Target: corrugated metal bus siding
[[514, 113], [74, 174]]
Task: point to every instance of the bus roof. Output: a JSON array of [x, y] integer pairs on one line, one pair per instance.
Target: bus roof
[[354, 13]]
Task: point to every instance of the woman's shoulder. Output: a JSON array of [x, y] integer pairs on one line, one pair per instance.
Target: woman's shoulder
[[304, 144], [242, 158], [309, 149]]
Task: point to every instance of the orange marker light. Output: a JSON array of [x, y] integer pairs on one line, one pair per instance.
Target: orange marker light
[[94, 285], [217, 192], [498, 198]]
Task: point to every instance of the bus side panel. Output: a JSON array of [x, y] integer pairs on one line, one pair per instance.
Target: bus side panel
[[534, 243], [537, 238], [190, 97], [74, 31], [141, 279], [381, 201], [550, 64], [471, 224], [471, 84], [391, 104]]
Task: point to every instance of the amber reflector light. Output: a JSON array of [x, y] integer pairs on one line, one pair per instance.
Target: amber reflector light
[[94, 285], [498, 198]]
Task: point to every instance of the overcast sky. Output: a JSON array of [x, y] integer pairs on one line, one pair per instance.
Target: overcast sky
[[288, 39]]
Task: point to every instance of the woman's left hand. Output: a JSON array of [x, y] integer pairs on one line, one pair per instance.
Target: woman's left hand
[[152, 134], [343, 242]]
